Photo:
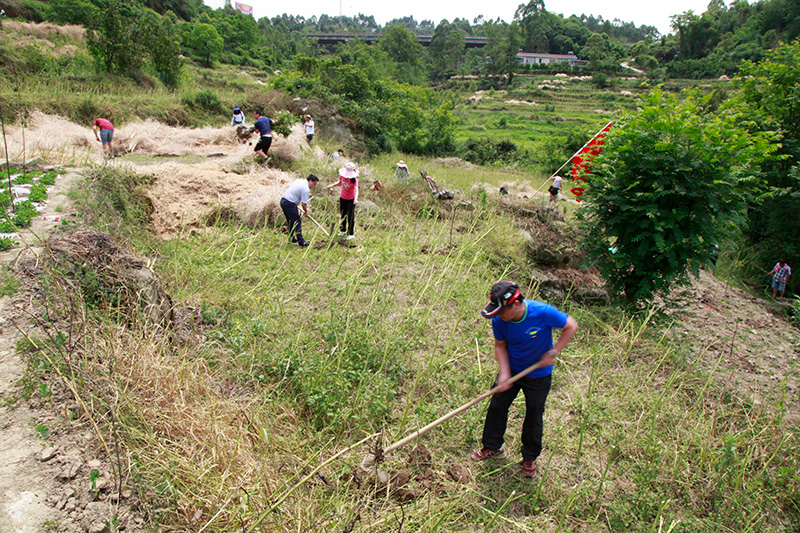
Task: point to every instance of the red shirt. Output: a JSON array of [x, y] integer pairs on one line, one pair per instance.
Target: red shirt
[[348, 188], [103, 124]]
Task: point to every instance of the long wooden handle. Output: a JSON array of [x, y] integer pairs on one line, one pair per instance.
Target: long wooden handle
[[318, 225], [464, 407]]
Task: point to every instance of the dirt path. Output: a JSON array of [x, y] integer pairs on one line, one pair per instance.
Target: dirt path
[[26, 481], [49, 454]]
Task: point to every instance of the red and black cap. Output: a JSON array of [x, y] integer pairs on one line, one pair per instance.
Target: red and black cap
[[503, 294]]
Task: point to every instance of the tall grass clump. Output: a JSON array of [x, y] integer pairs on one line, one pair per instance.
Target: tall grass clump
[[114, 201]]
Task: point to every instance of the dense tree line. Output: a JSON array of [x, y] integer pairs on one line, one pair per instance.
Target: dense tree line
[[702, 45], [717, 41]]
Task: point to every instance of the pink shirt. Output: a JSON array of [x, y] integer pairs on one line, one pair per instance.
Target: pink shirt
[[348, 189], [103, 124]]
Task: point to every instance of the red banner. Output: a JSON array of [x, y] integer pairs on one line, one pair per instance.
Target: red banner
[[581, 159], [247, 10]]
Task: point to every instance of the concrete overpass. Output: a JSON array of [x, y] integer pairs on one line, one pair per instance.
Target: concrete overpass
[[424, 40]]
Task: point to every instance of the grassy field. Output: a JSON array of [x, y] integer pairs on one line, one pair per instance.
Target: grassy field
[[253, 420], [541, 112]]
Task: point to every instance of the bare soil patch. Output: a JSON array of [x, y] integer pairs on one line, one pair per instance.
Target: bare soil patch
[[741, 340]]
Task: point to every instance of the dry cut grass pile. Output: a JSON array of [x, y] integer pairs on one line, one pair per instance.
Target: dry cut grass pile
[[43, 30], [184, 196]]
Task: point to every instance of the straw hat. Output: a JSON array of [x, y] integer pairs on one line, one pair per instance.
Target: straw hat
[[401, 164], [349, 171]]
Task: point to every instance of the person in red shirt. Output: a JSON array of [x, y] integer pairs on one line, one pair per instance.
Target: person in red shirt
[[348, 181], [106, 134]]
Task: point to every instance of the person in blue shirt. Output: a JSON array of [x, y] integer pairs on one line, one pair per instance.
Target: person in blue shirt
[[264, 126], [523, 336]]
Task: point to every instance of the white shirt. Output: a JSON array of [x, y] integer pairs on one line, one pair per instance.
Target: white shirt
[[557, 182], [298, 191], [309, 127]]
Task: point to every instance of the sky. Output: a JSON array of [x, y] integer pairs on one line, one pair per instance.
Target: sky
[[637, 11]]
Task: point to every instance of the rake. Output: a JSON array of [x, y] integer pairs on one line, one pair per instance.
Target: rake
[[375, 458]]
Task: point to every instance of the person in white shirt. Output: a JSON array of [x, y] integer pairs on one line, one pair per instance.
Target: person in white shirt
[[309, 126], [555, 188], [297, 195], [238, 117]]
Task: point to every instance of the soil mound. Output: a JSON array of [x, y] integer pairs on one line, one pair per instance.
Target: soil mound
[[110, 276]]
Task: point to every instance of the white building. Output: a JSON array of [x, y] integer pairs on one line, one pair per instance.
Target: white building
[[549, 59]]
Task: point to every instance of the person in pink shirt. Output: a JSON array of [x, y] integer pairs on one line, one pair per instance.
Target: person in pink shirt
[[106, 134], [348, 181]]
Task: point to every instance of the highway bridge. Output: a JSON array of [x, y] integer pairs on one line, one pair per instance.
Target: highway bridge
[[424, 40]]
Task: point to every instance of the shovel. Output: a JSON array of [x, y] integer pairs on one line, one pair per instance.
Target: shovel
[[370, 460]]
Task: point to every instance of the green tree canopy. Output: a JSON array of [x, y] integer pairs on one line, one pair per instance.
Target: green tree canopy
[[205, 41], [770, 97], [401, 45], [668, 175], [446, 51]]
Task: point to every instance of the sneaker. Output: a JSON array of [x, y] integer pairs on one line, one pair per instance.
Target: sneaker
[[341, 234], [528, 468], [486, 453], [350, 237], [304, 243]]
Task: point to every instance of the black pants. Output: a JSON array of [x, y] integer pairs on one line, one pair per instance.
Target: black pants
[[293, 220], [263, 144], [494, 429], [347, 208]]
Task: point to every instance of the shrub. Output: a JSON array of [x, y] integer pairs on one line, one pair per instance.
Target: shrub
[[206, 100], [668, 173]]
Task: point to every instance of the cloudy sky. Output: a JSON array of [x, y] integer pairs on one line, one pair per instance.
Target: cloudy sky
[[637, 11]]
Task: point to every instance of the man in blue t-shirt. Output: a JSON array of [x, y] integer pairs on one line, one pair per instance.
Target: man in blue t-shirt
[[264, 127], [523, 336]]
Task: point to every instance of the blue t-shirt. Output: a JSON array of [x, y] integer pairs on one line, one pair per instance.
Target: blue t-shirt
[[262, 125], [529, 338]]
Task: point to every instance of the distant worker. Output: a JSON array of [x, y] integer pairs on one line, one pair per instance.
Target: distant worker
[[264, 126], [309, 126], [297, 195], [555, 188], [781, 273], [104, 132], [238, 117], [348, 199], [337, 155], [401, 170], [523, 336]]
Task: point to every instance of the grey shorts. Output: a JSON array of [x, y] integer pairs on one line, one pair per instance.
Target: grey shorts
[[780, 286], [106, 136]]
